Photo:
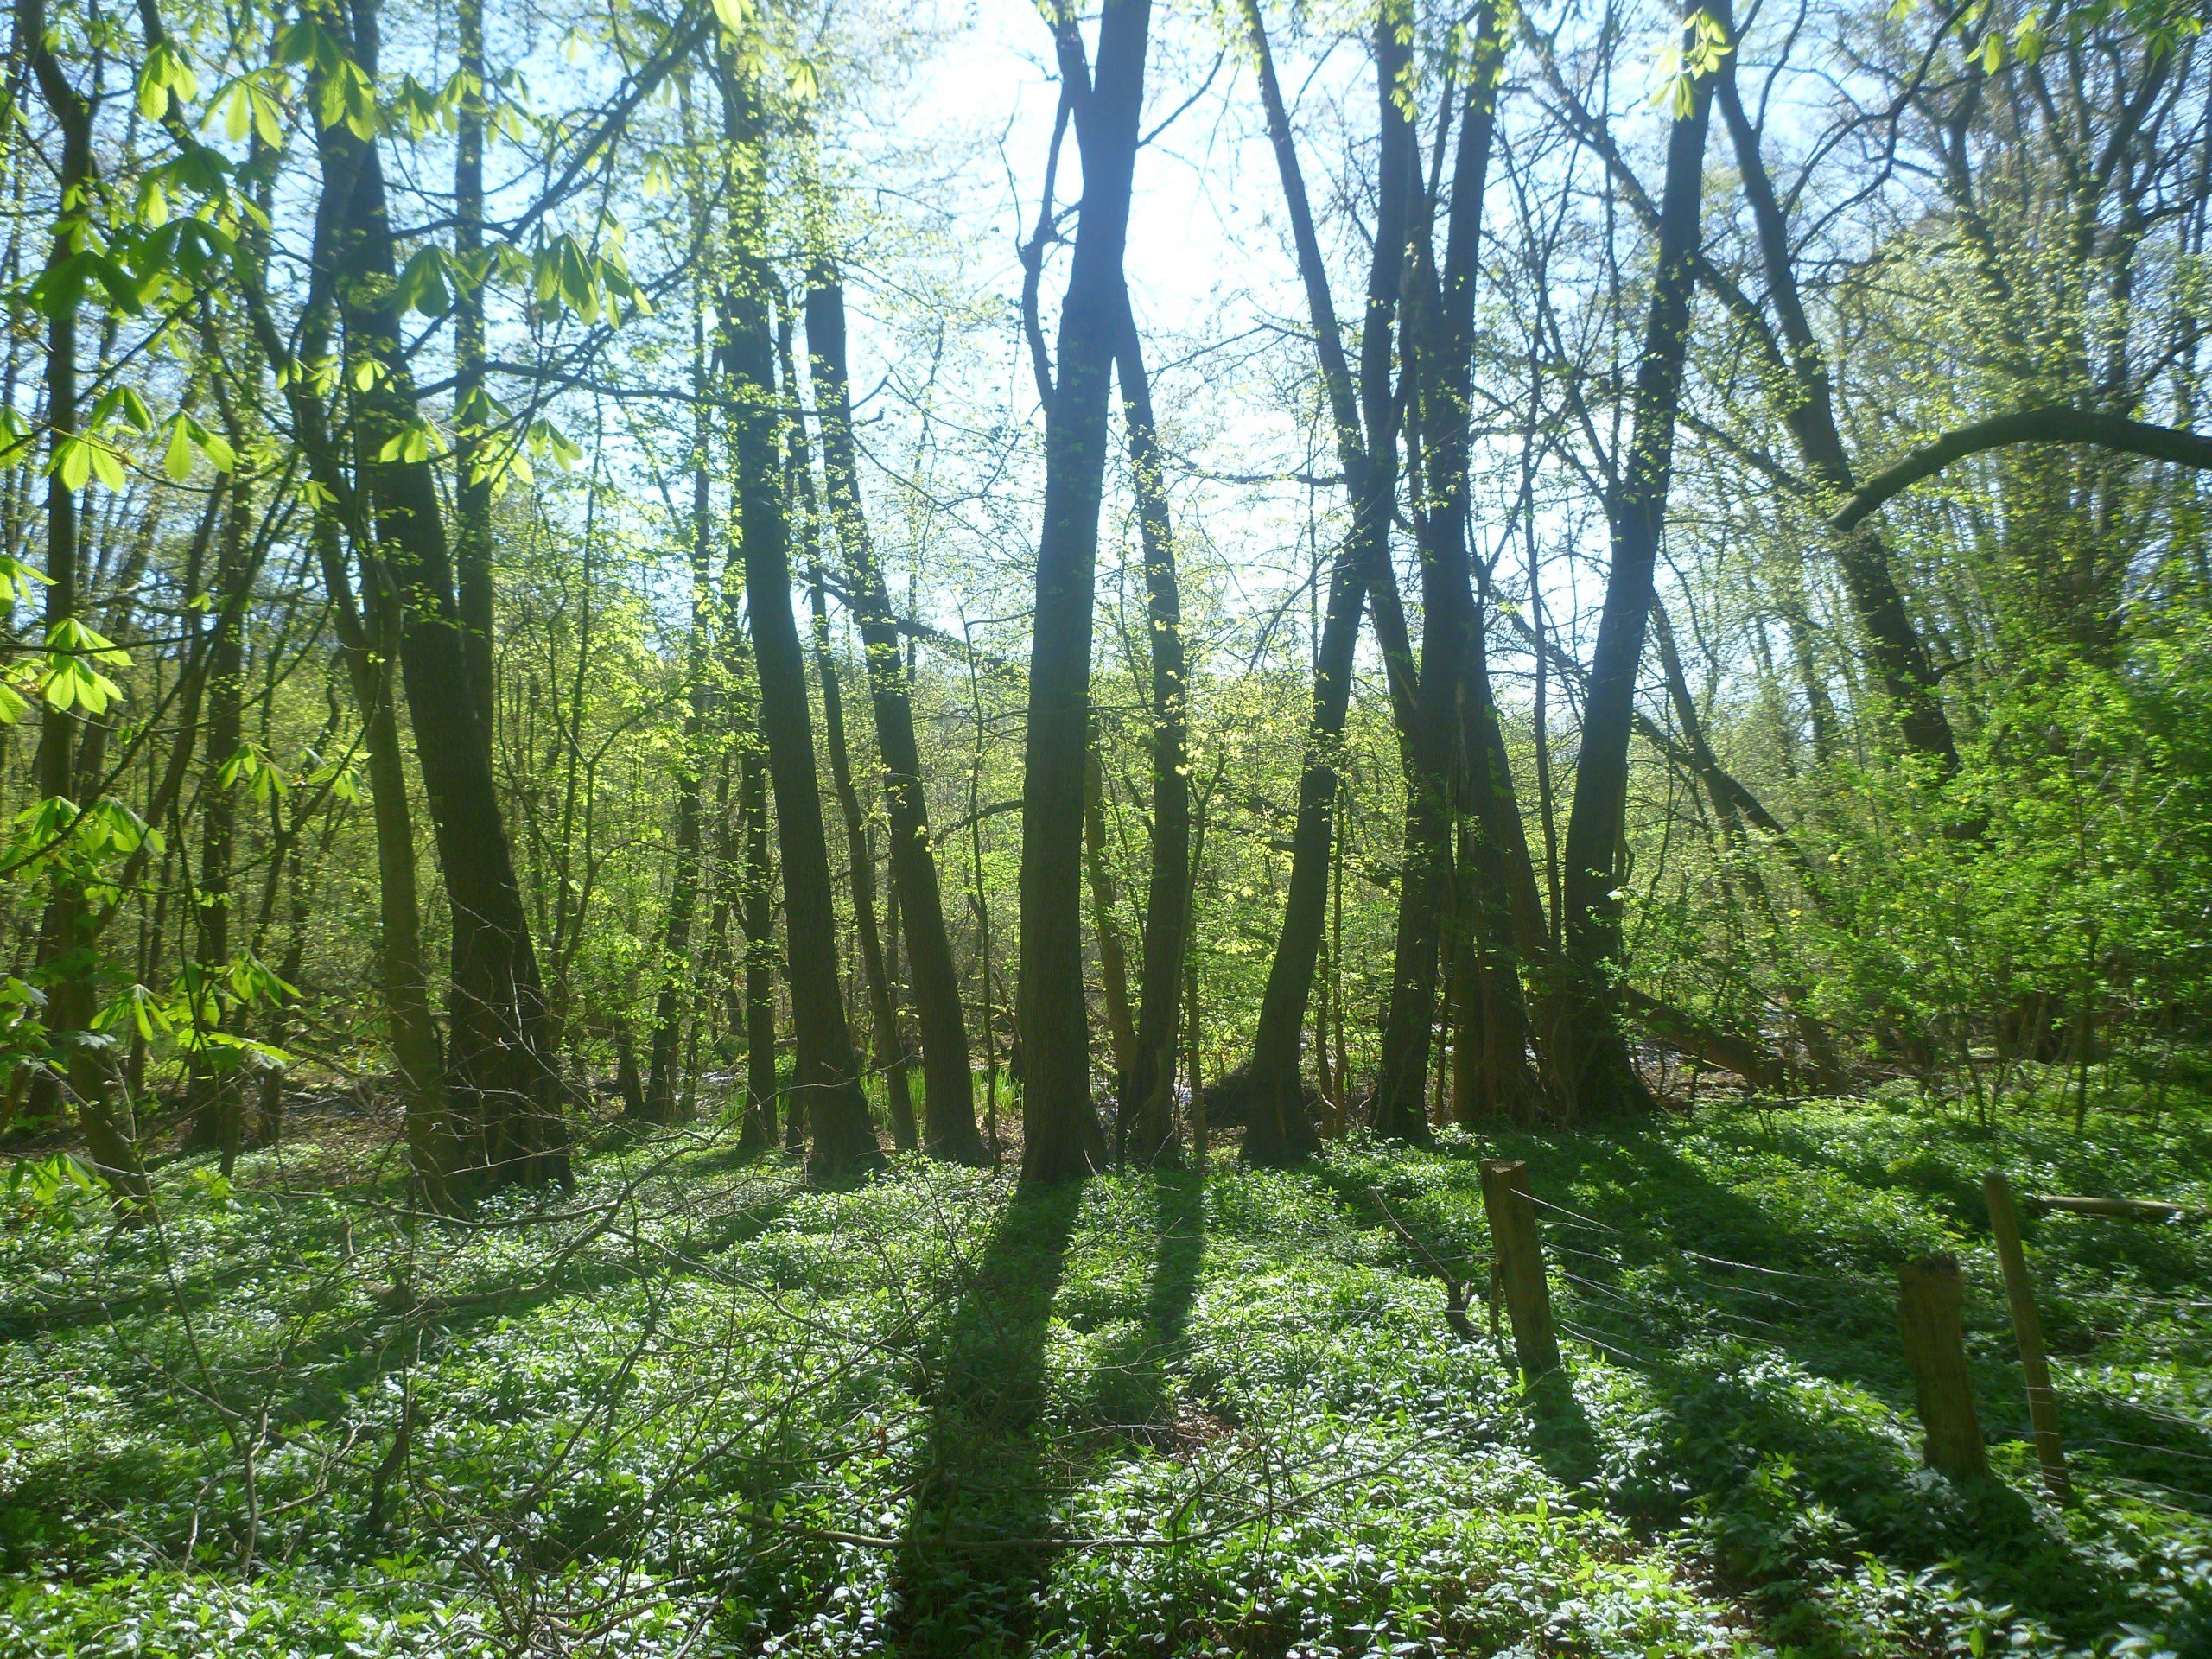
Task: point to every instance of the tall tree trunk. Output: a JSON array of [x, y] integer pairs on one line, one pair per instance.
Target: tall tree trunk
[[1113, 959], [1061, 1135], [859, 853], [1901, 661], [891, 1052], [111, 1134], [826, 1080], [503, 1083], [472, 494], [213, 1092], [664, 1053], [756, 922], [1147, 1118], [948, 1085], [1600, 1072], [1279, 1131], [1443, 337], [826, 1077]]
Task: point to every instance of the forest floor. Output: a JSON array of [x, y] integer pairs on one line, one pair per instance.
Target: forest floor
[[695, 1407]]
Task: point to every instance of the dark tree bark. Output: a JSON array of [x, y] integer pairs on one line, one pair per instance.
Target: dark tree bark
[[1145, 1126], [1113, 958], [471, 494], [1599, 1070], [503, 1085], [1443, 331], [948, 1085], [1061, 1135], [1280, 1130], [756, 922], [826, 1078], [1900, 658], [111, 1135], [891, 1053], [212, 1092]]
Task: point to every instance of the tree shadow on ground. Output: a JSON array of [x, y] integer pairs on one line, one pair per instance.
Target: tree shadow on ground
[[978, 1541]]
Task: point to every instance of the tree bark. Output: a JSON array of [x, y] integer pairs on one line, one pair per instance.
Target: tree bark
[[471, 494], [948, 1084], [1443, 338], [1599, 1069], [664, 1049], [1061, 1135], [504, 1081], [1280, 1130], [1145, 1126], [1113, 958], [111, 1134]]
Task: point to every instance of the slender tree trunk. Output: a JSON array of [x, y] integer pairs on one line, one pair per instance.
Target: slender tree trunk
[[1279, 1131], [1113, 959], [471, 494], [1900, 658], [504, 1079], [212, 1093], [1599, 1069], [1442, 331], [1061, 1135], [671, 1000], [891, 1053], [111, 1134], [948, 1085], [1147, 1120]]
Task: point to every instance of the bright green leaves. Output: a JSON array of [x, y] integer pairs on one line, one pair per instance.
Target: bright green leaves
[[1695, 54], [74, 656], [19, 581], [736, 15], [414, 442], [80, 459], [165, 74], [249, 104], [186, 436], [567, 274], [254, 766], [424, 284]]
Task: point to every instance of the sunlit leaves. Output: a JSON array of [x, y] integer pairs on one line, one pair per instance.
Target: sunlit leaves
[[165, 74], [71, 679], [186, 435], [1695, 54]]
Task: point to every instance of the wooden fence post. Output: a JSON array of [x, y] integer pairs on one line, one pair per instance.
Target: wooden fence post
[[1931, 1294], [1520, 1256], [2027, 1329]]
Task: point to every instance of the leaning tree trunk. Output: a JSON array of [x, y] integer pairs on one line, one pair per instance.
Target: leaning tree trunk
[[826, 1080], [1061, 1136], [504, 1084], [1147, 1120], [948, 1085], [1280, 1130], [1597, 1065]]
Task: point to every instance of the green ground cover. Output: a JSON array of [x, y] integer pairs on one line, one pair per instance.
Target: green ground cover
[[694, 1408]]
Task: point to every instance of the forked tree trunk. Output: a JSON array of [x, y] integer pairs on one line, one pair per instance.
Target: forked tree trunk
[[1598, 1067], [503, 1085], [948, 1085], [1061, 1136], [1443, 333]]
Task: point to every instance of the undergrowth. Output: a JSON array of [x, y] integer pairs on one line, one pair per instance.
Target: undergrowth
[[695, 1407]]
